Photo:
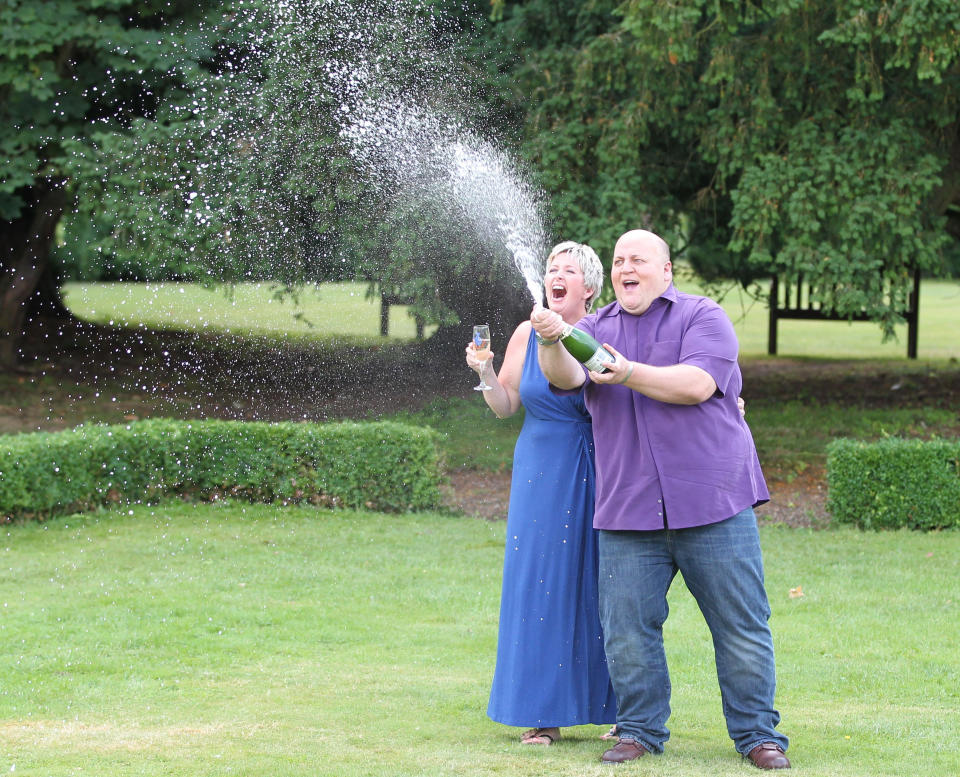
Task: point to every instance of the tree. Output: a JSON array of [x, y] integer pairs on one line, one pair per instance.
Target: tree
[[225, 155], [820, 138], [72, 71]]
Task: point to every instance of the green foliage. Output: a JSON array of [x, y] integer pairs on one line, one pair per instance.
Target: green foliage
[[783, 137], [807, 212], [384, 466], [895, 483], [246, 173], [73, 69], [133, 218], [199, 143]]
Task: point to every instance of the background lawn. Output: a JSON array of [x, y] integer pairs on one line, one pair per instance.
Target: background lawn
[[259, 640], [938, 333], [343, 311], [791, 437], [332, 311]]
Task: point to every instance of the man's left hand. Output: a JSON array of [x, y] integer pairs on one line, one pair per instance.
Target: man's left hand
[[618, 372]]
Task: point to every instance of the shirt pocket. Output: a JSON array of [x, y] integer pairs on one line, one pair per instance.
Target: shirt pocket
[[664, 353]]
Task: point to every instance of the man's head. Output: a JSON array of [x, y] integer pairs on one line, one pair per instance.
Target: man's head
[[641, 270]]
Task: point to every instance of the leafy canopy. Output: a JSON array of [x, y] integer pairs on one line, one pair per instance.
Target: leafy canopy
[[816, 138]]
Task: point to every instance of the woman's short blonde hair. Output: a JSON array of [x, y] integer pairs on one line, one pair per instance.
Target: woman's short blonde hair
[[589, 264]]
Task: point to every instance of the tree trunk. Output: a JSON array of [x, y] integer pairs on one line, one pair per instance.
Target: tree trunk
[[500, 302], [47, 300], [946, 200], [24, 259]]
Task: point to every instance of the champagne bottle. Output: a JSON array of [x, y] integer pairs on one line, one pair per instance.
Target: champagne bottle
[[585, 349]]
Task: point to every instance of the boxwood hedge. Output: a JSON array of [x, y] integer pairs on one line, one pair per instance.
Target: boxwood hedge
[[380, 466], [894, 483]]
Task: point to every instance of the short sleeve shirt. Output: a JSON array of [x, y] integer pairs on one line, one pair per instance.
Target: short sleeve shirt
[[662, 465]]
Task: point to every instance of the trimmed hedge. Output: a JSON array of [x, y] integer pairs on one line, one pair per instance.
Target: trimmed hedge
[[894, 483], [380, 466]]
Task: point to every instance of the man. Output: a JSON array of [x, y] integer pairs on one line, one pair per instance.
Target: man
[[677, 481]]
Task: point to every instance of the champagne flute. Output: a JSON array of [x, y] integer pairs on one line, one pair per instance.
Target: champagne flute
[[481, 347]]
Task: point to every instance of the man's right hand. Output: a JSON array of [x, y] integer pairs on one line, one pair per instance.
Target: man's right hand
[[561, 369]]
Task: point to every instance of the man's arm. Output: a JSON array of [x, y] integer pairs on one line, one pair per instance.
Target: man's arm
[[561, 369], [679, 384]]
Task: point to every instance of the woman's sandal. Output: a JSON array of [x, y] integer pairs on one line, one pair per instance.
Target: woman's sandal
[[611, 734], [536, 736]]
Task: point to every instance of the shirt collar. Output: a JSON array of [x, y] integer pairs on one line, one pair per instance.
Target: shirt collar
[[614, 309]]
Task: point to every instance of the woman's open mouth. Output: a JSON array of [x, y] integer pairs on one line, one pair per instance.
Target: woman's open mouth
[[558, 292]]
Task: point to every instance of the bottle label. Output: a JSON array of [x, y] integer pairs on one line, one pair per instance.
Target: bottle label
[[596, 362]]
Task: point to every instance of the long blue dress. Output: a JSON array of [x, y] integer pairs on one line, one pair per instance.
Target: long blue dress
[[551, 668]]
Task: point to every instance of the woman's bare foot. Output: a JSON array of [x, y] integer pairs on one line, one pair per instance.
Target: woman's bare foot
[[540, 736], [611, 734]]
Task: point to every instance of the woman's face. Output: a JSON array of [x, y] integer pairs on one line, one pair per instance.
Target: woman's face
[[565, 289]]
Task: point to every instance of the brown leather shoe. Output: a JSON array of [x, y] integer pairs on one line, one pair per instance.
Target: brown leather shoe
[[768, 756], [625, 750]]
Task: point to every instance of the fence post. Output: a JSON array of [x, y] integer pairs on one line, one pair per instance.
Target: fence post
[[384, 314], [772, 326], [913, 316]]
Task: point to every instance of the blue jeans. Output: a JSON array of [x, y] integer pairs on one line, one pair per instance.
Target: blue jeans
[[722, 566]]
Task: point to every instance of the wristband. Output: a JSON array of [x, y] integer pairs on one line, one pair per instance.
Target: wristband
[[545, 342], [629, 373]]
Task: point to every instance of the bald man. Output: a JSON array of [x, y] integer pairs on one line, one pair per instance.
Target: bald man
[[677, 480]]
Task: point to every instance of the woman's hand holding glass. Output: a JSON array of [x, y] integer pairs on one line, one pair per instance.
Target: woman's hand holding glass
[[479, 354]]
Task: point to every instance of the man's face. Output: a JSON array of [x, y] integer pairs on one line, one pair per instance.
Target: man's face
[[641, 271]]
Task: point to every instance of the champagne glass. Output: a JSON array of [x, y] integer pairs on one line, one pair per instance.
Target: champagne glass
[[481, 347]]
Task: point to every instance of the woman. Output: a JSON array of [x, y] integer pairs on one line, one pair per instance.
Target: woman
[[551, 669]]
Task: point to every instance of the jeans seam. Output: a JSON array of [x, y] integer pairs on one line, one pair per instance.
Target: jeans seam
[[646, 746], [759, 742]]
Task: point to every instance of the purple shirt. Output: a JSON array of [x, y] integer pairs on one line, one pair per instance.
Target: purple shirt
[[660, 464]]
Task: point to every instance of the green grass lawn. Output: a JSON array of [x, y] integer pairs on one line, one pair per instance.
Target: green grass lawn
[[342, 310], [790, 436], [331, 311], [938, 332], [259, 640]]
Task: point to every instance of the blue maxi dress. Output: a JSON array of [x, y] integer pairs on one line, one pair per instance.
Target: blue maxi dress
[[551, 668]]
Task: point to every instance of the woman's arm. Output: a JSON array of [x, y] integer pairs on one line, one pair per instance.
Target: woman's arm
[[504, 395]]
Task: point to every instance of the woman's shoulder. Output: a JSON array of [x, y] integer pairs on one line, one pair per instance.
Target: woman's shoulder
[[520, 338], [516, 354], [521, 335], [523, 329]]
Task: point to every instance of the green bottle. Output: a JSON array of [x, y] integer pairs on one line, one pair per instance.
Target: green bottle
[[585, 349]]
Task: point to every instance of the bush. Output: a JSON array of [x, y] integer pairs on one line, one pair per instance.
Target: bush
[[894, 483], [382, 466]]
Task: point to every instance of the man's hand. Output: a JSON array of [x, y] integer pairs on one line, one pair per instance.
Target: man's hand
[[618, 372]]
